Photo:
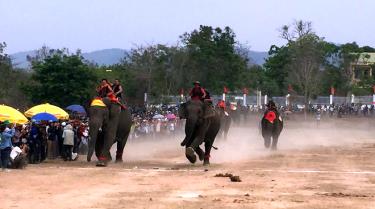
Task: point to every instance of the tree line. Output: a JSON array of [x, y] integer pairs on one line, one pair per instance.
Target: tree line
[[306, 65]]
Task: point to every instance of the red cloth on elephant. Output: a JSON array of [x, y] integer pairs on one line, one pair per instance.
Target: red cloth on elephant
[[270, 116], [221, 104]]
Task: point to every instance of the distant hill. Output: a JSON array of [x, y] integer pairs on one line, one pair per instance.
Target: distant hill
[[258, 58], [111, 56]]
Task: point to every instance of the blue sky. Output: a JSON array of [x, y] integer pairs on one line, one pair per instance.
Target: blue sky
[[98, 24]]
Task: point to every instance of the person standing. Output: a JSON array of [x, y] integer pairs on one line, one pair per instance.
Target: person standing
[[68, 136], [6, 135], [52, 141]]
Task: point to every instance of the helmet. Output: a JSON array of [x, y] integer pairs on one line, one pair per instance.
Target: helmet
[[197, 82]]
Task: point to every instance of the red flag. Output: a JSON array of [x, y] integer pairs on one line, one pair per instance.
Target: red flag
[[225, 90], [373, 88], [333, 91]]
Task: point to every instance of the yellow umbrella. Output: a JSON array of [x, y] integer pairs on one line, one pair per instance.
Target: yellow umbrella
[[48, 108], [12, 115]]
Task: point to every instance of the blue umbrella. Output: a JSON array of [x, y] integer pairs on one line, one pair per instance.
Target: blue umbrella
[[44, 117], [76, 108]]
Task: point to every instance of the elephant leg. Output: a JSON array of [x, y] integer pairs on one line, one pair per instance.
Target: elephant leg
[[99, 144], [120, 148], [207, 147], [201, 134], [267, 140], [209, 141], [190, 154], [275, 139], [185, 141], [200, 153]]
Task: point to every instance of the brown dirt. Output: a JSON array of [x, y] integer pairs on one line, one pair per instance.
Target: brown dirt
[[329, 167]]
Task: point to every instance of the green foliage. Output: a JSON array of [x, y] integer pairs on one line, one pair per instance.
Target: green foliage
[[213, 59], [61, 79], [276, 70], [10, 81]]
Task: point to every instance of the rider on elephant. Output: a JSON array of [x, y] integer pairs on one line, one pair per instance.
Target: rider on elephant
[[197, 93], [271, 113], [105, 90]]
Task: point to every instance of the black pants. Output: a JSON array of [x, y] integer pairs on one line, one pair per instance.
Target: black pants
[[68, 152], [5, 157], [35, 152]]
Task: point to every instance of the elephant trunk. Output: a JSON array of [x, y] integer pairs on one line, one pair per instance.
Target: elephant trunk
[[190, 128], [93, 133]]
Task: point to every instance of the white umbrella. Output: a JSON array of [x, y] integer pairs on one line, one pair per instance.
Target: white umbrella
[[158, 116]]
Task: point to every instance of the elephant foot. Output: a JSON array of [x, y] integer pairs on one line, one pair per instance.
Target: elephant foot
[[118, 158], [190, 155], [101, 164], [88, 159], [274, 148], [206, 161], [200, 153]]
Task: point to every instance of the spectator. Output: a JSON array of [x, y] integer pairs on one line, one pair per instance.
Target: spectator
[[6, 135], [52, 141], [68, 136]]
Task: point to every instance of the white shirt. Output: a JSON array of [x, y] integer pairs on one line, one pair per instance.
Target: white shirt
[[15, 152]]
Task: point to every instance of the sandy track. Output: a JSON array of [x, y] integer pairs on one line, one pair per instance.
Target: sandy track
[[319, 174]]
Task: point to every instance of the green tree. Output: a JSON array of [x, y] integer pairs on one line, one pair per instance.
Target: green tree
[[276, 71], [213, 59], [10, 81], [60, 78]]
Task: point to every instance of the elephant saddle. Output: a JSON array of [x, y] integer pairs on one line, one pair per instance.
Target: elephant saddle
[[98, 101]]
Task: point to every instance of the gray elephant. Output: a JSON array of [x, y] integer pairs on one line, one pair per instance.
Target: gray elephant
[[202, 125], [226, 121], [108, 123], [272, 125]]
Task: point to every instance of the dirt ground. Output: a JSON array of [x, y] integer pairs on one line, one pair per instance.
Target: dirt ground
[[330, 166]]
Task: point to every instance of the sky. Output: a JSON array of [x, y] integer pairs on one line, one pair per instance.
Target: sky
[[99, 24]]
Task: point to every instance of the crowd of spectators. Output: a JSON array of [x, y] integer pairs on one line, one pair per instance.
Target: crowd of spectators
[[35, 142]]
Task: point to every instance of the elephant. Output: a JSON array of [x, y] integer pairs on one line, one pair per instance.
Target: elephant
[[202, 125], [225, 122], [109, 123], [271, 125]]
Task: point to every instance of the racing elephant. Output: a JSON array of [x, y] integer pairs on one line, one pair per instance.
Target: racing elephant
[[108, 124], [272, 125], [202, 125], [225, 122]]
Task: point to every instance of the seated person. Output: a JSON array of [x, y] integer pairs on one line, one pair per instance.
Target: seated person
[[197, 93]]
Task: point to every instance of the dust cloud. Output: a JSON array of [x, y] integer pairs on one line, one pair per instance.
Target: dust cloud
[[245, 141]]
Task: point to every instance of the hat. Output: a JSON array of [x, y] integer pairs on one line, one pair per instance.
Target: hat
[[197, 82], [63, 124], [5, 122]]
